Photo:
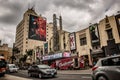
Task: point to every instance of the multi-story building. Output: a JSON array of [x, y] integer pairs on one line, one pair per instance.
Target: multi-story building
[[6, 52], [83, 44], [25, 38], [109, 35], [49, 37], [100, 39]]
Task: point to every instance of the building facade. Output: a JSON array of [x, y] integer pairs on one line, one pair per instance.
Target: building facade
[[6, 52], [109, 36], [98, 40], [23, 41], [26, 40]]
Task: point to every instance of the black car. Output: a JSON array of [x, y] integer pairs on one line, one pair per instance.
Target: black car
[[41, 71]]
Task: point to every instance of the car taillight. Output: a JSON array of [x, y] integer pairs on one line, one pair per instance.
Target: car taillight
[[94, 68]]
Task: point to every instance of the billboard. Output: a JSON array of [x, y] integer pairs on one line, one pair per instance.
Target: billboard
[[94, 34], [37, 28], [72, 41], [53, 56]]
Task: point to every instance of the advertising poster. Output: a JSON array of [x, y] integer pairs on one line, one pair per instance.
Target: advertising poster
[[118, 23], [66, 54], [94, 33], [118, 26], [37, 28], [72, 41]]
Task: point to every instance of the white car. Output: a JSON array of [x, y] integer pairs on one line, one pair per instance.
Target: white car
[[12, 68]]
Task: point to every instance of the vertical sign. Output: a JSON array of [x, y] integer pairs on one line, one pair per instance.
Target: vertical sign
[[118, 22], [46, 48], [94, 34], [38, 52], [72, 41]]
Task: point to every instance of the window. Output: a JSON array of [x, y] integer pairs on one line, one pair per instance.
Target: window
[[107, 26], [106, 20], [64, 45], [1, 54], [111, 62], [109, 33], [83, 41], [26, 42]]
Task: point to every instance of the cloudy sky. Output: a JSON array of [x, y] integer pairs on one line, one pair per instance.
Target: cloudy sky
[[76, 14]]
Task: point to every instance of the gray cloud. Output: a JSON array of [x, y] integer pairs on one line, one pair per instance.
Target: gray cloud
[[77, 14], [75, 4], [13, 11]]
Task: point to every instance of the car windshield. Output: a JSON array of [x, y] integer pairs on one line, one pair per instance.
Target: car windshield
[[12, 66], [43, 66]]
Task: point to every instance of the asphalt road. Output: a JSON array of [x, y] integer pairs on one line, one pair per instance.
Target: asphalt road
[[23, 74]]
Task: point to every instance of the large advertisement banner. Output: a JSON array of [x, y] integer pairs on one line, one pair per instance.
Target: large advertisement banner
[[37, 28], [72, 41], [94, 34], [53, 56]]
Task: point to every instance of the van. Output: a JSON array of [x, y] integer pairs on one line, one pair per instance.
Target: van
[[12, 68]]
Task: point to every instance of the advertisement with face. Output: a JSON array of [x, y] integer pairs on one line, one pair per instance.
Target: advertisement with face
[[72, 41], [94, 33], [37, 28], [117, 17]]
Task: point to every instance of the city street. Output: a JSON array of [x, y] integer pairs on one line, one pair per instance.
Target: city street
[[59, 40], [62, 75]]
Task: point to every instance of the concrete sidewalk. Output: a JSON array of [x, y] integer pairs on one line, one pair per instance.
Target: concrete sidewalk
[[11, 77], [87, 71]]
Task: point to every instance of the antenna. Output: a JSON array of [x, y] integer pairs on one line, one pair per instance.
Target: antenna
[[28, 5], [31, 5]]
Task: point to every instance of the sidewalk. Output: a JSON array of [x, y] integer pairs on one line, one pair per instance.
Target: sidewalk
[[10, 77], [88, 71]]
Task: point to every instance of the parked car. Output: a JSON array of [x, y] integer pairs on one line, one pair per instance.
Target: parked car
[[12, 68], [107, 68], [41, 71]]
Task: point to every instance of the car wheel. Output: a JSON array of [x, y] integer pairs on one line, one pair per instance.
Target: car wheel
[[54, 76], [40, 75], [7, 71], [29, 74], [102, 78], [3, 74]]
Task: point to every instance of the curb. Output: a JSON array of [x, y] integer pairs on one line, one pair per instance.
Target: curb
[[89, 72]]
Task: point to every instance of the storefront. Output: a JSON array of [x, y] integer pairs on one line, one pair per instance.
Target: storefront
[[63, 61], [96, 54]]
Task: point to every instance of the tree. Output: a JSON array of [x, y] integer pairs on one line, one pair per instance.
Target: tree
[[30, 52], [15, 50]]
